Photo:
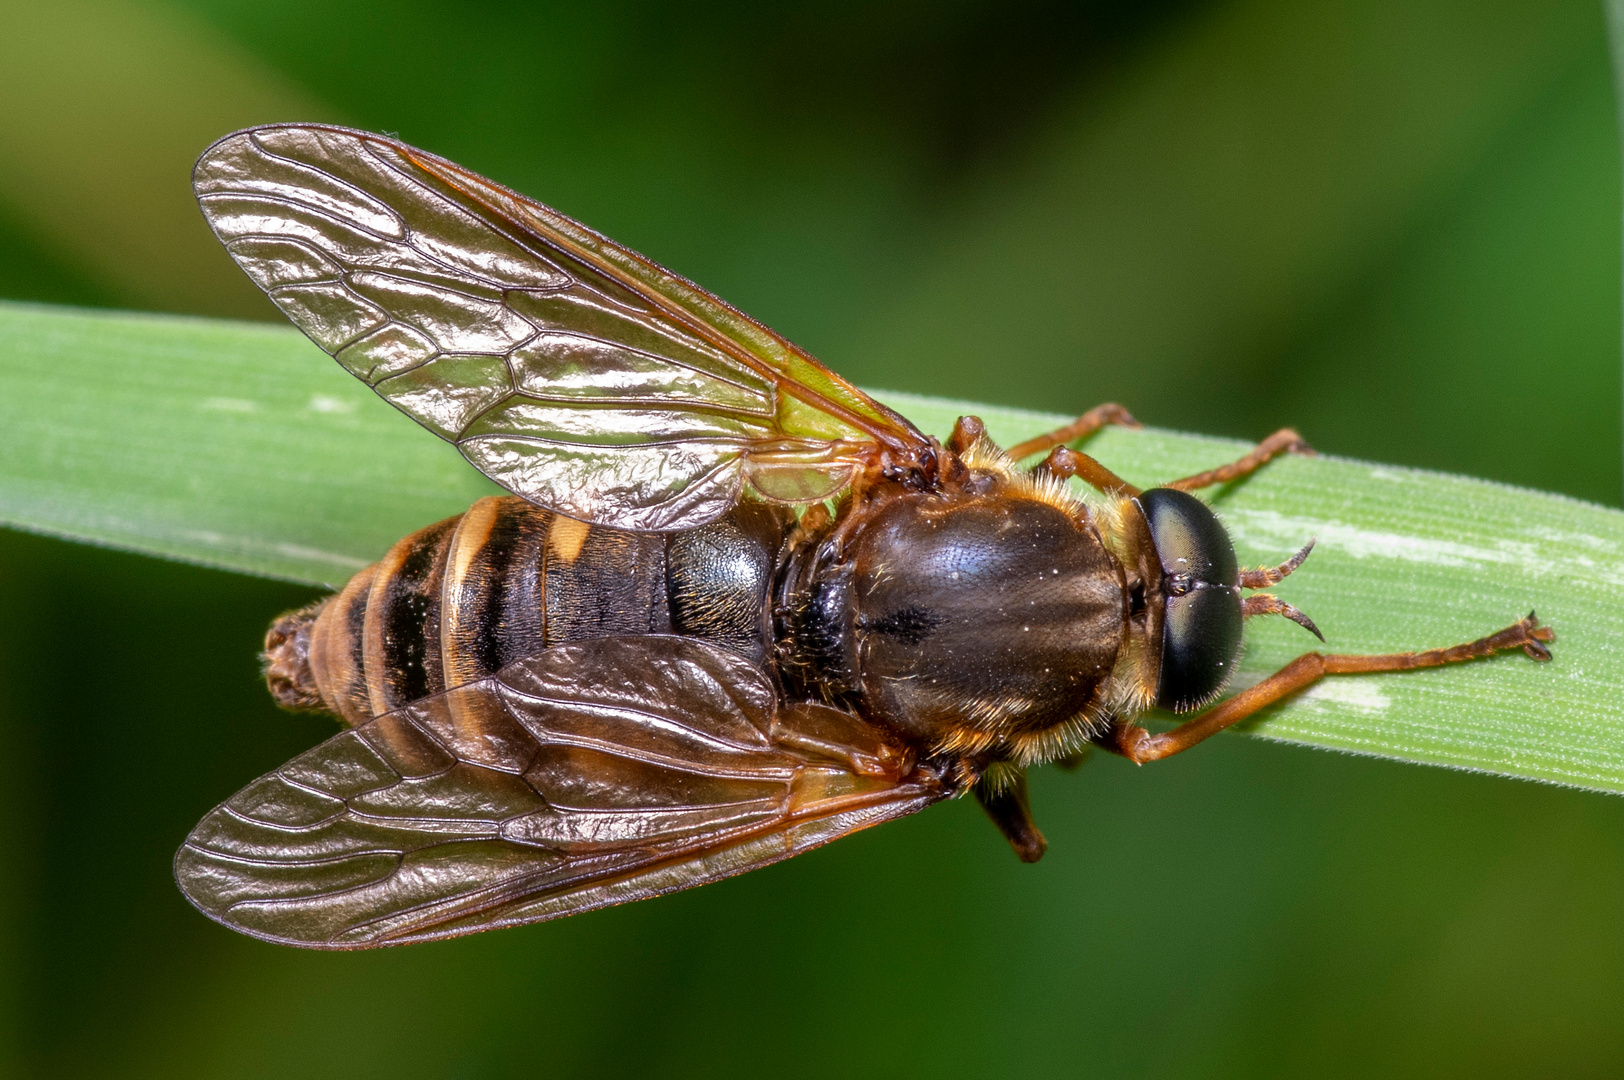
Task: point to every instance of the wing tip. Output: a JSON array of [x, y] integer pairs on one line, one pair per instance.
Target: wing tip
[[188, 884], [210, 151]]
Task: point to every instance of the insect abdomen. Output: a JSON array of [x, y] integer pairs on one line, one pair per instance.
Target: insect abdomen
[[462, 599]]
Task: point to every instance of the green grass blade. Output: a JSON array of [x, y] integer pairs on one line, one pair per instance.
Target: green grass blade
[[241, 446], [235, 445]]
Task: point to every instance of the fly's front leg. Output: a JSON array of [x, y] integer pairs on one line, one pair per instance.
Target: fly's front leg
[[1082, 427], [1284, 441], [1135, 743]]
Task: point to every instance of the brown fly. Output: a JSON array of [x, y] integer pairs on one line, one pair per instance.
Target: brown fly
[[733, 609]]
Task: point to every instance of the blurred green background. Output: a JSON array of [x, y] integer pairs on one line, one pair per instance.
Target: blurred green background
[[1394, 225]]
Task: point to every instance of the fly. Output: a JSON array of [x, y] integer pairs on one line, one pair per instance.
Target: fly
[[732, 609]]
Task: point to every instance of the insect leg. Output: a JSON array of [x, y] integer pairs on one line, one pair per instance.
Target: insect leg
[[1085, 425], [967, 431], [1135, 743], [1281, 442], [1006, 803], [1065, 462]]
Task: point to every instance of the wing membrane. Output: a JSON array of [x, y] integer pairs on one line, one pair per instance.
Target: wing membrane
[[568, 369], [590, 774]]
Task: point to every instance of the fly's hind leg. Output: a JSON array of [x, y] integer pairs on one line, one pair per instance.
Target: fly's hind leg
[[1139, 745], [1004, 798], [1062, 461], [1284, 441], [1066, 462], [1080, 428]]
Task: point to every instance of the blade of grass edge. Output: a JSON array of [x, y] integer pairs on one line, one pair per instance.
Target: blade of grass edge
[[241, 446], [1615, 47]]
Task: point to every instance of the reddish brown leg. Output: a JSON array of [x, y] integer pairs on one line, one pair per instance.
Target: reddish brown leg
[[1012, 813], [1085, 425], [1134, 742], [966, 431], [1065, 462], [1269, 604], [1281, 442]]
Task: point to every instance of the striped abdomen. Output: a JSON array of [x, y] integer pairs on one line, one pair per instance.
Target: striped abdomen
[[466, 597]]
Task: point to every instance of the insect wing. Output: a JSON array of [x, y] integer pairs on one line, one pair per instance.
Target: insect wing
[[591, 774], [566, 368]]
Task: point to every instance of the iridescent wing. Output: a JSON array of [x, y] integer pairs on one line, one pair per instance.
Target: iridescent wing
[[566, 368], [591, 774]]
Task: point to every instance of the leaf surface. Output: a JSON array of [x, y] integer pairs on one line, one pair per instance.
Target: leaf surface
[[243, 447]]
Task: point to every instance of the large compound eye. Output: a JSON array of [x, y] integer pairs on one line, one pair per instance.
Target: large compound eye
[[1201, 631]]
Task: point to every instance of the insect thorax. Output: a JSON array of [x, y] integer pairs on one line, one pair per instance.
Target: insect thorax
[[968, 622]]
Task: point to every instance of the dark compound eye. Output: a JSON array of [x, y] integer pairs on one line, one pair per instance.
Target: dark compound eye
[[1201, 632]]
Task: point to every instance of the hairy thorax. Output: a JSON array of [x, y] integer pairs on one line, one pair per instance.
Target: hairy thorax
[[985, 621]]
